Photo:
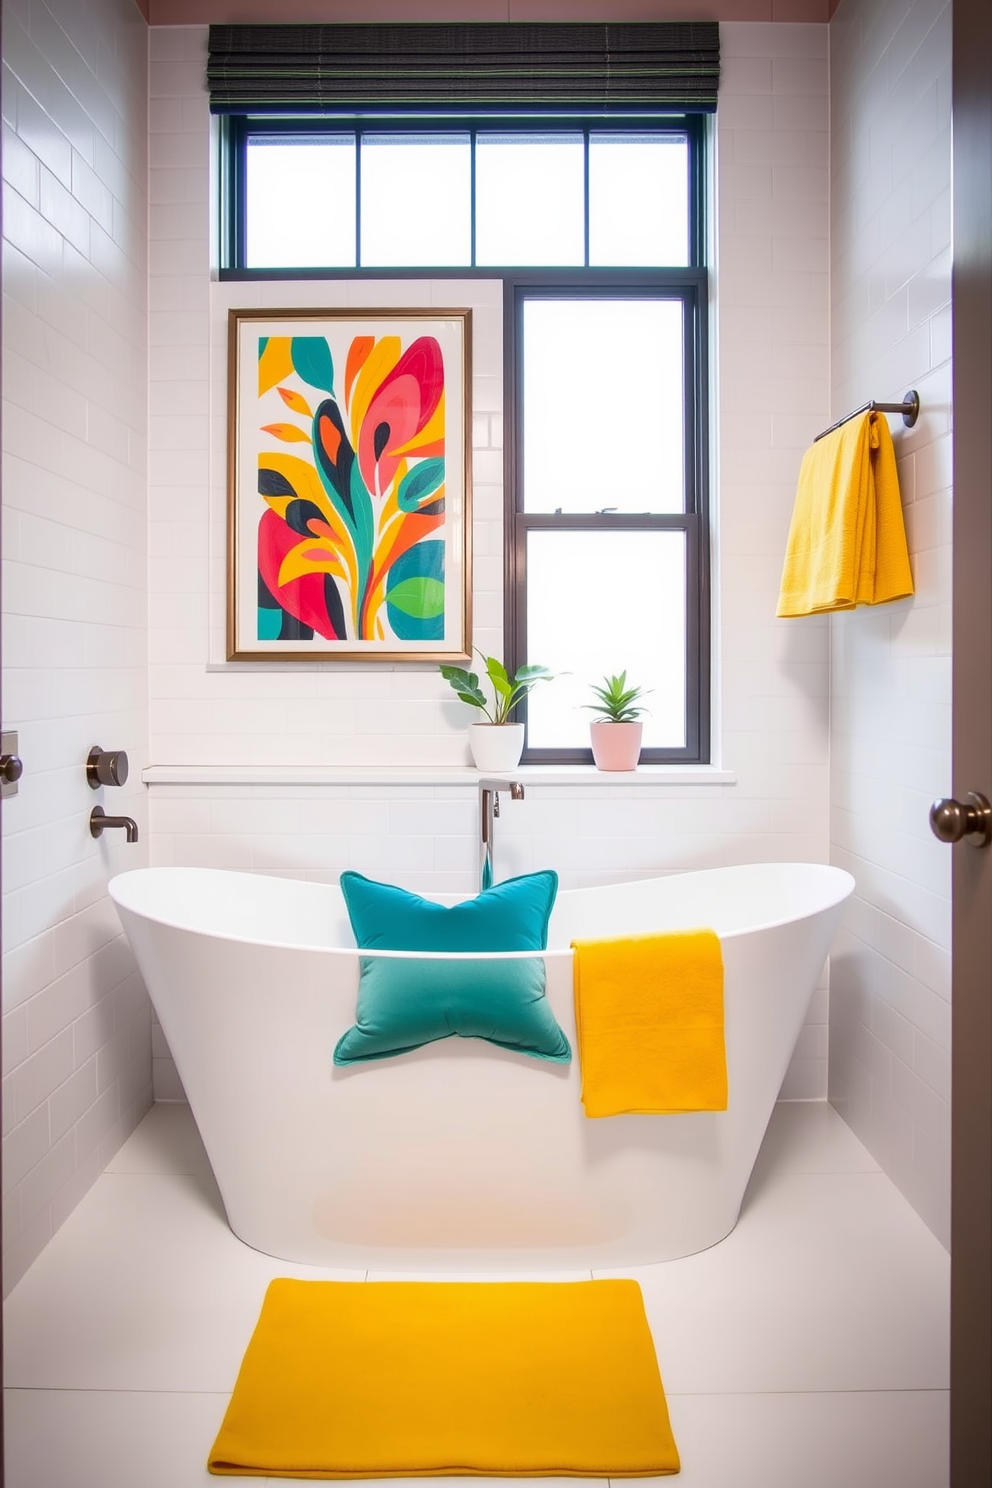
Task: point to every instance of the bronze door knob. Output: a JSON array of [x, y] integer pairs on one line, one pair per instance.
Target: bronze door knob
[[970, 821]]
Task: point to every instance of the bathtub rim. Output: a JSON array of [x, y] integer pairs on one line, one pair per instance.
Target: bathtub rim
[[844, 885]]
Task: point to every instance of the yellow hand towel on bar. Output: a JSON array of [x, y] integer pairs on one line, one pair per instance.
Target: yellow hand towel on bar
[[847, 542], [649, 1017]]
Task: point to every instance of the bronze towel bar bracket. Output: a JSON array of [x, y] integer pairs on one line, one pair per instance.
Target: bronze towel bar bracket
[[909, 408]]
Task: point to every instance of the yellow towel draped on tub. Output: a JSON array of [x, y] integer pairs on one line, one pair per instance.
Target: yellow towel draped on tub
[[847, 541], [649, 1017]]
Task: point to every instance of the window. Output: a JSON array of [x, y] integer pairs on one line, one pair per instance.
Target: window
[[595, 228], [450, 196], [607, 516]]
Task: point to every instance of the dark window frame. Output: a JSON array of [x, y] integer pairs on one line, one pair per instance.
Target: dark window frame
[[689, 282]]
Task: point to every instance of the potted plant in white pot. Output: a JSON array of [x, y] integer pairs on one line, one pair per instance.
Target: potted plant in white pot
[[615, 733], [496, 744]]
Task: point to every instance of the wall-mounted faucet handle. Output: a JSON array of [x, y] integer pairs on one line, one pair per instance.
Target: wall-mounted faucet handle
[[100, 821], [105, 767]]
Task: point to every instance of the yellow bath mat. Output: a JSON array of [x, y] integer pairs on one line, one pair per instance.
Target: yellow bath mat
[[424, 1379]]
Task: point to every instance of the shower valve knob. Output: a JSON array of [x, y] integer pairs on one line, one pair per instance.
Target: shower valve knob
[[953, 821], [11, 764], [11, 768], [106, 767]]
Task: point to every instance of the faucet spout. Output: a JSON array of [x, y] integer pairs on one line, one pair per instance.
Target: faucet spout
[[100, 821], [515, 787], [489, 790]]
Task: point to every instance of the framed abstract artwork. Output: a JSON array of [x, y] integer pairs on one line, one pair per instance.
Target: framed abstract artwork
[[349, 492]]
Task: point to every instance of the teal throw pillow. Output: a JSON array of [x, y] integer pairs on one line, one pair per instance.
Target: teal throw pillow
[[404, 1004]]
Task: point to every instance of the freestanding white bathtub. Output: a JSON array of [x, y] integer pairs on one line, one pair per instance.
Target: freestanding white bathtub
[[461, 1156]]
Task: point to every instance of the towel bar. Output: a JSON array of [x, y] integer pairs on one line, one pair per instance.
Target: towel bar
[[909, 408]]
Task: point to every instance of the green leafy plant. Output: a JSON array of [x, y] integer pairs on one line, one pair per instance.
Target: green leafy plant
[[617, 703], [506, 690]]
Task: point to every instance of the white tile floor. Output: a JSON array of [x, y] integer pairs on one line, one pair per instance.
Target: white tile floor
[[807, 1350]]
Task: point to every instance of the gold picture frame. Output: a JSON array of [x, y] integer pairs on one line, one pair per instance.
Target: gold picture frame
[[349, 485]]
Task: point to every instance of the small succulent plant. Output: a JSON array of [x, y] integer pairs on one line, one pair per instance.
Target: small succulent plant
[[617, 703]]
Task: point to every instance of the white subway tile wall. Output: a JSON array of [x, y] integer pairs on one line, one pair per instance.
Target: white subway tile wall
[[77, 1066], [770, 394], [891, 669]]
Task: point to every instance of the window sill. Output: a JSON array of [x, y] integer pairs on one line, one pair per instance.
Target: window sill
[[439, 775]]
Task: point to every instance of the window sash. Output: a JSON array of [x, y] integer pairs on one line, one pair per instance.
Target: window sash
[[696, 747]]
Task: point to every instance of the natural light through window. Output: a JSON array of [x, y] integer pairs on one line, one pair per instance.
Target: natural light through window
[[451, 198], [638, 199], [603, 405], [300, 201], [599, 602], [416, 200], [530, 194]]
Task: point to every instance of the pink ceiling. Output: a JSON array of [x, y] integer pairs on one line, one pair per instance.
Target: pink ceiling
[[198, 12]]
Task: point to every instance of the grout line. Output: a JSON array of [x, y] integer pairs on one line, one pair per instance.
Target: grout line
[[789, 1394], [104, 1390]]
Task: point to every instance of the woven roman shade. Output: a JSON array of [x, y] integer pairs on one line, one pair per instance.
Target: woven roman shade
[[471, 68]]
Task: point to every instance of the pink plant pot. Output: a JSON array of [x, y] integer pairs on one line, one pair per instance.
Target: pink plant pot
[[615, 746]]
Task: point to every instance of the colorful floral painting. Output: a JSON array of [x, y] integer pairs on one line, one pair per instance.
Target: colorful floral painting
[[351, 431]]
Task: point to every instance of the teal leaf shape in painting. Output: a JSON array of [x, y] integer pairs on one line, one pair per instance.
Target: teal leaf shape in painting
[[313, 361], [269, 623], [364, 530], [419, 483]]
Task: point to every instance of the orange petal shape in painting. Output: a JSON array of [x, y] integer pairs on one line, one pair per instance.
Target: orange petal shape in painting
[[320, 528], [358, 353], [330, 438]]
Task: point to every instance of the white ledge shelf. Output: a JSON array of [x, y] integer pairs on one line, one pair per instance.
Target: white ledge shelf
[[433, 775]]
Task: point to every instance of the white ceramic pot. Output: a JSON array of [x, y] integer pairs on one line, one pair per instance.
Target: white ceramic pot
[[615, 746], [496, 746]]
